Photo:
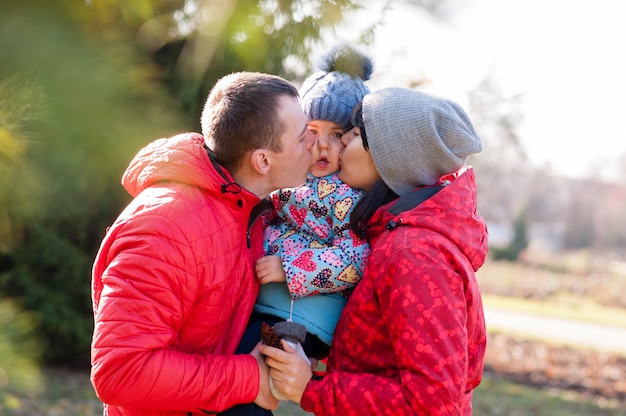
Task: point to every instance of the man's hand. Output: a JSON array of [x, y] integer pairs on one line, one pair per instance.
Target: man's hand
[[270, 269], [264, 398]]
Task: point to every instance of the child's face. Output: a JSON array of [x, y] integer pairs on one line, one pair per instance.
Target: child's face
[[326, 148]]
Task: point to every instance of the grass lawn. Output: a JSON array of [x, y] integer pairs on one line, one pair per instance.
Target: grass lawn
[[500, 397], [70, 394]]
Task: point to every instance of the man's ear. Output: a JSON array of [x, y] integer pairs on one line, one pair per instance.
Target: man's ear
[[260, 160]]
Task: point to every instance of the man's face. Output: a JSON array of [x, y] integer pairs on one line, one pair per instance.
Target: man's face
[[289, 167]]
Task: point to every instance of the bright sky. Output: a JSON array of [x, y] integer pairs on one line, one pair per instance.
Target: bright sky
[[566, 57]]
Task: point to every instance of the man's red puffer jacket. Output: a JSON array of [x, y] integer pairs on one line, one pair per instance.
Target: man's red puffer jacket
[[173, 287]]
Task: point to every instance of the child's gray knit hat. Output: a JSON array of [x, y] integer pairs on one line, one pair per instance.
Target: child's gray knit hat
[[416, 138], [332, 92]]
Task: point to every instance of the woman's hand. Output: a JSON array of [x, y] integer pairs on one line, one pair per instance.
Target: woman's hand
[[290, 373]]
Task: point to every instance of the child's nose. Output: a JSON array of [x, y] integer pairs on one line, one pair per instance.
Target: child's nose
[[322, 142]]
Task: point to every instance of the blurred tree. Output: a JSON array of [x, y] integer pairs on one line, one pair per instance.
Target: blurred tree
[[19, 350], [73, 110], [502, 166], [610, 210], [21, 103], [621, 169], [83, 88], [195, 42], [514, 249], [579, 231]]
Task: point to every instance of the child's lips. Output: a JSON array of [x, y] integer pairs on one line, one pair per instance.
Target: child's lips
[[322, 163]]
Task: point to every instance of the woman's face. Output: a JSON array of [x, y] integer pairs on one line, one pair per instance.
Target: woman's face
[[357, 165]]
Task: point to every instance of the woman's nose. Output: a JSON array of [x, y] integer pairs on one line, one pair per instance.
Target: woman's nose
[[346, 138]]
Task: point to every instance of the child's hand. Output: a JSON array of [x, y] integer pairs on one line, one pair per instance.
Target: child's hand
[[270, 269]]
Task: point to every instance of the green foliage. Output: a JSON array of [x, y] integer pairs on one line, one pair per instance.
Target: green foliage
[[92, 104], [235, 36], [195, 42], [21, 103], [19, 352], [84, 86], [50, 277]]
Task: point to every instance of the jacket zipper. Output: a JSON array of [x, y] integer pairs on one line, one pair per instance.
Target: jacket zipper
[[260, 208]]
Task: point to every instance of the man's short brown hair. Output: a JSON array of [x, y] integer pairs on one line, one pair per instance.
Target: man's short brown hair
[[241, 114]]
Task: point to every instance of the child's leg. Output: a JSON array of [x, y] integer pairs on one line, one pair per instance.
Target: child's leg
[[249, 409], [314, 347], [252, 334]]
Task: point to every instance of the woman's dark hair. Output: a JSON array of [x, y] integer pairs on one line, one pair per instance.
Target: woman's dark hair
[[356, 119], [377, 196]]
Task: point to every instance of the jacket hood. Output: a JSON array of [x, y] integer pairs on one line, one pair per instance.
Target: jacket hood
[[447, 209], [184, 159]]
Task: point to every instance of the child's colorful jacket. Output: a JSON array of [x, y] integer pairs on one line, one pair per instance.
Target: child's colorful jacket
[[321, 256]]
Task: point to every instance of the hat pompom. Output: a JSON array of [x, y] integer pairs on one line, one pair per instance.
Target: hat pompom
[[337, 86], [344, 58]]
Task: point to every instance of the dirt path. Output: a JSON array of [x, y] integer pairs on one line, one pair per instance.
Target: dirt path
[[559, 330], [560, 353]]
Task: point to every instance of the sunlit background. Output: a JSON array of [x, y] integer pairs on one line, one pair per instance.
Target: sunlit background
[[563, 58], [85, 84]]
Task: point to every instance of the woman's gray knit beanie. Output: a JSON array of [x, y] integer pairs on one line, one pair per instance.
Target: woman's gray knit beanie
[[332, 92], [416, 138]]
